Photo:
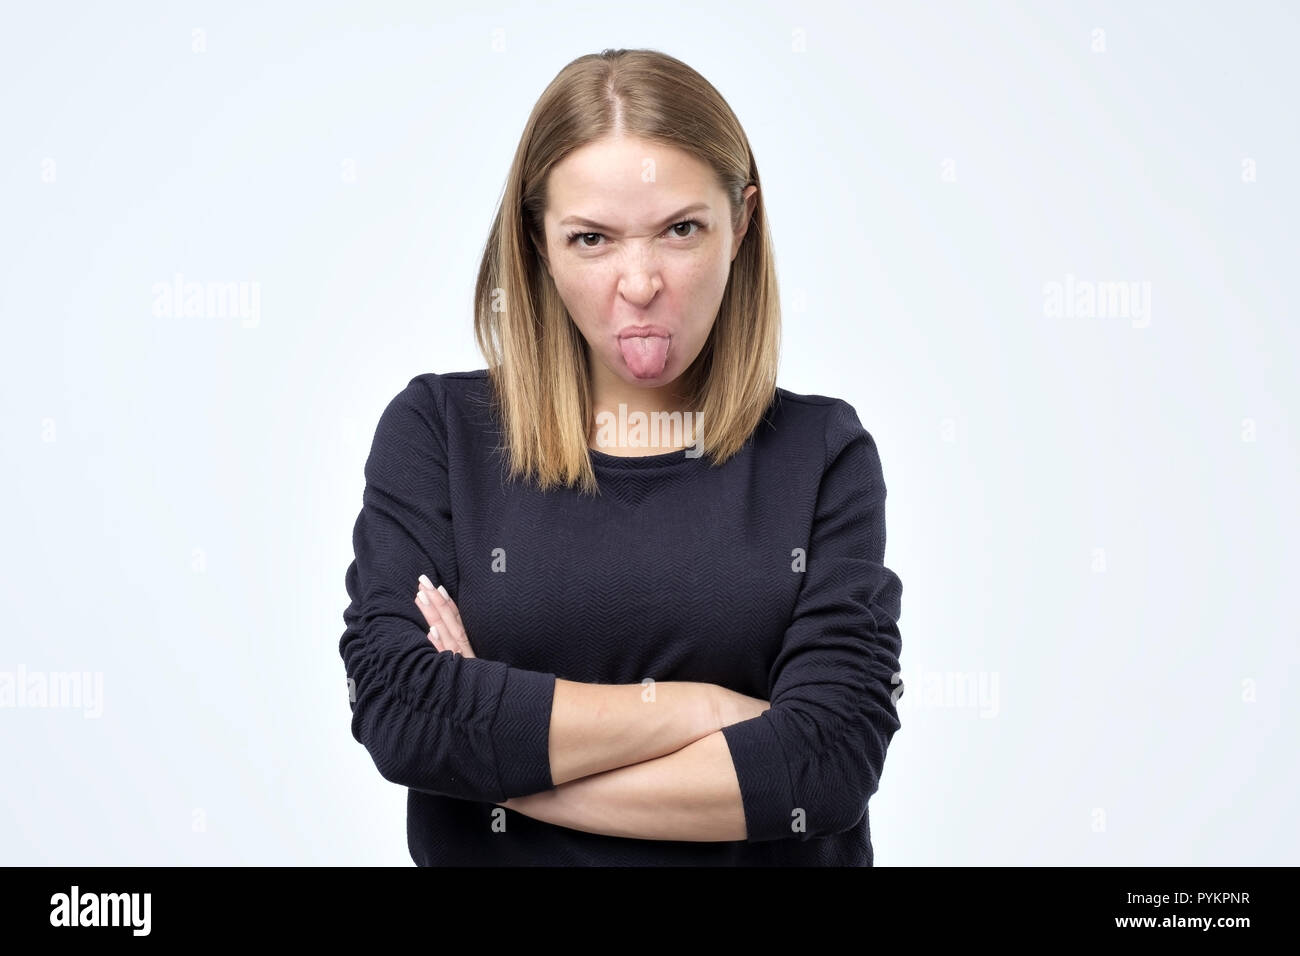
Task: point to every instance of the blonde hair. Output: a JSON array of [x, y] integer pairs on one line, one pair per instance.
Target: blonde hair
[[536, 355]]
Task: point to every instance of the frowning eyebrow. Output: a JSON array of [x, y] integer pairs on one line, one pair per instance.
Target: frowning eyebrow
[[685, 211]]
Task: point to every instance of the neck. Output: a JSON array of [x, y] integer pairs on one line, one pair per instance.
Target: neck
[[609, 392]]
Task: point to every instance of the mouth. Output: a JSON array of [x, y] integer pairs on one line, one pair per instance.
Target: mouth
[[645, 349], [641, 331]]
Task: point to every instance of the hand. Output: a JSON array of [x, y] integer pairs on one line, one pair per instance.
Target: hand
[[446, 632], [732, 707]]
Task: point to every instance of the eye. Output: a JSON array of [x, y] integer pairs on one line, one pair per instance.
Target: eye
[[580, 237], [687, 222]]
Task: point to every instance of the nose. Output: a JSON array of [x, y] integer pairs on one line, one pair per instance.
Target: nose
[[641, 279]]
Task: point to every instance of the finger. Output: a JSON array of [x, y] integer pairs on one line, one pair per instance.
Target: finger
[[446, 638], [441, 642], [445, 633], [428, 608], [451, 614], [424, 596], [449, 623], [455, 611], [448, 612]]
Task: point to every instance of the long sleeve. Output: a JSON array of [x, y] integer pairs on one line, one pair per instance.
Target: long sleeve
[[434, 721], [820, 748]]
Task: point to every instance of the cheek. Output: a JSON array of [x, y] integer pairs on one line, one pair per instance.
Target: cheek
[[573, 286], [708, 269], [584, 298], [685, 275], [699, 284]]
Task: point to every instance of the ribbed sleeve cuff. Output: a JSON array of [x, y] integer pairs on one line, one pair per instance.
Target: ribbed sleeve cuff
[[764, 779], [521, 732]]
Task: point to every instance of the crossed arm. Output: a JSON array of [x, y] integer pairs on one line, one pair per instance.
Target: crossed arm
[[626, 764], [689, 794]]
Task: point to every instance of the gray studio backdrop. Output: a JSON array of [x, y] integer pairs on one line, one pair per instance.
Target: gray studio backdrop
[[1047, 251]]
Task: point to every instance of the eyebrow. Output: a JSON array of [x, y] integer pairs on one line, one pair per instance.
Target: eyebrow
[[684, 211]]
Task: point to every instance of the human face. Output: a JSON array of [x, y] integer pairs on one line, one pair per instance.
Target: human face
[[639, 244]]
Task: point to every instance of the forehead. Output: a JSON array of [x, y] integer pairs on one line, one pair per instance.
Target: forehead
[[628, 178]]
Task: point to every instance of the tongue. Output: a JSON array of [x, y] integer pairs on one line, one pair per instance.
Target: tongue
[[645, 355]]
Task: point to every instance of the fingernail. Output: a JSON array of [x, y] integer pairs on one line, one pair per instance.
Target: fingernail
[[443, 591], [426, 582], [433, 634], [422, 598]]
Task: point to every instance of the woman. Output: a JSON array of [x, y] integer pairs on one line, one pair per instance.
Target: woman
[[582, 639]]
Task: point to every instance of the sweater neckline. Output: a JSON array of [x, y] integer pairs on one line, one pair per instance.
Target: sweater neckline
[[668, 459]]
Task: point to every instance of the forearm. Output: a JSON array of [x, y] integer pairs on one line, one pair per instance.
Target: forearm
[[601, 727], [690, 794]]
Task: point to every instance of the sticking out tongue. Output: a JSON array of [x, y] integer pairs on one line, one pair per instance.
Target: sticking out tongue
[[645, 355]]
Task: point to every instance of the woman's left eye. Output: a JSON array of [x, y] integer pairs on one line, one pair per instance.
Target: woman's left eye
[[687, 222]]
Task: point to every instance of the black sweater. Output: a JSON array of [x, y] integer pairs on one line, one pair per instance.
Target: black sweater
[[765, 575]]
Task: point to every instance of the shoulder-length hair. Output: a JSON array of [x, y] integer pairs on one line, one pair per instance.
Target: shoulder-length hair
[[536, 355]]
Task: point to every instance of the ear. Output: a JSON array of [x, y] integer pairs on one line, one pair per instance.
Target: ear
[[750, 198]]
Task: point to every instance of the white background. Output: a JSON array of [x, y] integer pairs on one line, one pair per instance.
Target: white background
[[1094, 517]]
